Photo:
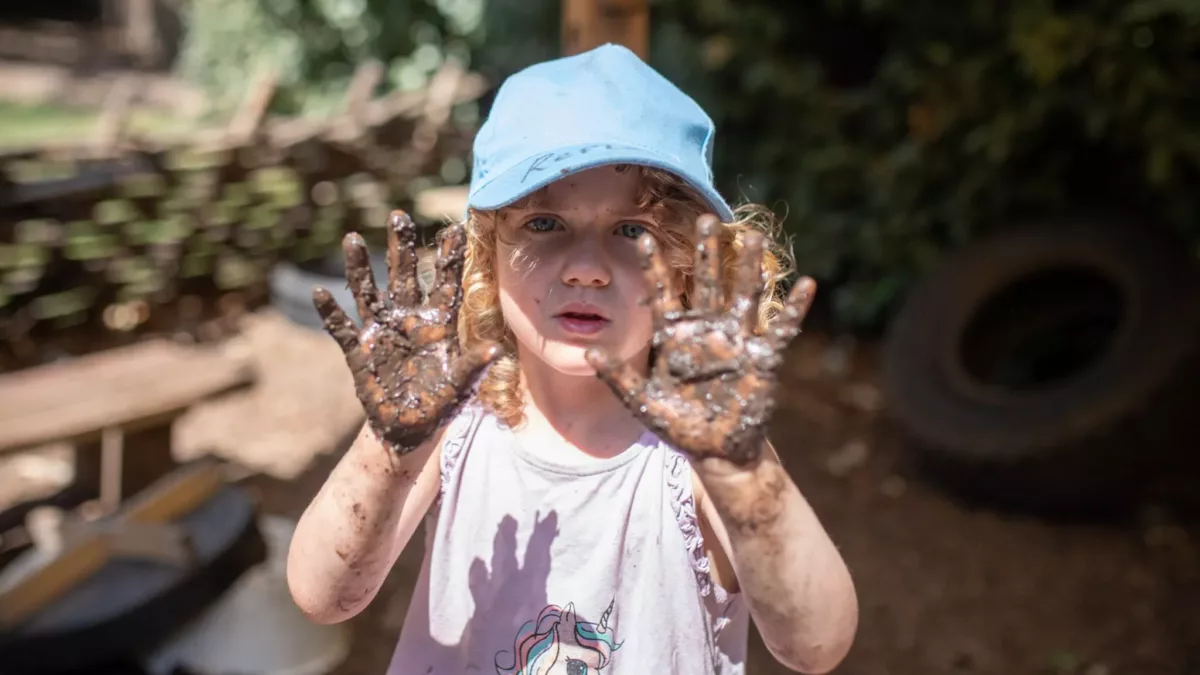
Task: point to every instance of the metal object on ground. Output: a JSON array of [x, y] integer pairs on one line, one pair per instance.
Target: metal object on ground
[[94, 604], [256, 626]]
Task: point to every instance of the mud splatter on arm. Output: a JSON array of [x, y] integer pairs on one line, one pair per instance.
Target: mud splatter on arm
[[710, 393], [411, 378], [358, 523], [791, 574]]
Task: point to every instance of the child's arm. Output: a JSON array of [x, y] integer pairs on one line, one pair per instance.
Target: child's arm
[[358, 524], [795, 582], [710, 392], [411, 376]]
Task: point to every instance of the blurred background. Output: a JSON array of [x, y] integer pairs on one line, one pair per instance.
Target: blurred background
[[992, 407]]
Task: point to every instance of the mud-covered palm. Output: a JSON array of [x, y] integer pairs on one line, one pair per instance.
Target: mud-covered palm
[[711, 388], [408, 369]]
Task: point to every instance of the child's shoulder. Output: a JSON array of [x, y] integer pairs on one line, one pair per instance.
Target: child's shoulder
[[468, 417]]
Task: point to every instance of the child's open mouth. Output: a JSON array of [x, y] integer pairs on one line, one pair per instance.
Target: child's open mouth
[[581, 320]]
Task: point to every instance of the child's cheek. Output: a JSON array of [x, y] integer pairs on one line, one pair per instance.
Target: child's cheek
[[638, 312], [519, 258]]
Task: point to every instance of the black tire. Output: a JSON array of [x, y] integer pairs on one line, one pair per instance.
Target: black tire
[[1083, 439], [129, 607]]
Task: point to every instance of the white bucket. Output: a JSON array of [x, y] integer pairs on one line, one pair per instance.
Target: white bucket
[[256, 628]]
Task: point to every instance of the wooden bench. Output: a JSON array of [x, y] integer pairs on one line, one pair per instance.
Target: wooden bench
[[117, 409]]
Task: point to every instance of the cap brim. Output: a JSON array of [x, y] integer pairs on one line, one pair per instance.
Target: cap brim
[[509, 185]]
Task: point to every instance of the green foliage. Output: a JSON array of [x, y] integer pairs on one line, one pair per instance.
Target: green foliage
[[145, 239], [314, 45], [886, 132], [893, 131]]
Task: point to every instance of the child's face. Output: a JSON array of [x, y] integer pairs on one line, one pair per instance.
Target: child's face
[[569, 273]]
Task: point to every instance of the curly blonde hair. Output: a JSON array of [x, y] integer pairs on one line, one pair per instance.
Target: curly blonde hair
[[670, 202]]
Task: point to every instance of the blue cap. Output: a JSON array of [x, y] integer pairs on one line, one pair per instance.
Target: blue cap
[[604, 106]]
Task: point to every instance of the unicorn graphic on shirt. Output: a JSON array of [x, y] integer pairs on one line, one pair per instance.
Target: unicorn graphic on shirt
[[559, 643]]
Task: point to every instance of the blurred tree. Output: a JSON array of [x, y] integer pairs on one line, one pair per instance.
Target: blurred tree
[[892, 131], [314, 45], [886, 131]]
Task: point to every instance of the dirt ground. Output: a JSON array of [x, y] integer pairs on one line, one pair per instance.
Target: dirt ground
[[943, 589]]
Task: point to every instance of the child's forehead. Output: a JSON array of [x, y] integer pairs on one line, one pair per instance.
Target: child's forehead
[[605, 188]]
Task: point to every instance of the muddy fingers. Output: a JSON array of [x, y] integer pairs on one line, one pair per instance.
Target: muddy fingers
[[409, 370], [361, 279], [403, 289], [787, 326], [446, 291], [711, 390], [707, 267], [748, 284], [664, 301]]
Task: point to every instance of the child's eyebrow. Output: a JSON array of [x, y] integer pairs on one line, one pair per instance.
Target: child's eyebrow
[[517, 212], [566, 211]]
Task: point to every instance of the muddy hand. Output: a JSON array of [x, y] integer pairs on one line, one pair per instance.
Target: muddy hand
[[408, 369], [711, 388]]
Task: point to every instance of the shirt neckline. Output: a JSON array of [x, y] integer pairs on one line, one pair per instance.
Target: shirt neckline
[[591, 467]]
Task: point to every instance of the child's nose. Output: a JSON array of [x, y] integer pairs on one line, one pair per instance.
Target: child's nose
[[586, 267]]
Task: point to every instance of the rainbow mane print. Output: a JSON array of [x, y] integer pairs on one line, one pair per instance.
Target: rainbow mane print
[[559, 643]]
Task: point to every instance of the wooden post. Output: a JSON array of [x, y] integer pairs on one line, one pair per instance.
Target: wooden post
[[123, 462], [250, 116], [114, 117], [362, 89], [141, 32], [587, 24]]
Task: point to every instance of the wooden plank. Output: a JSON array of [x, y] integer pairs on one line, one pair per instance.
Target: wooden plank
[[49, 582], [139, 386], [159, 542], [174, 495], [110, 128], [248, 119], [112, 468], [362, 88]]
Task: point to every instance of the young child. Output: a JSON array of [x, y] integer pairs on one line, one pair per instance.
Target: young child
[[577, 412]]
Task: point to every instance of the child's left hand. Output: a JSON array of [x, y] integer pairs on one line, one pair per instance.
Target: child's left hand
[[711, 388]]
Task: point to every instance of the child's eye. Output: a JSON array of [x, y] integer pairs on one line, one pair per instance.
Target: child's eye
[[542, 224], [631, 230]]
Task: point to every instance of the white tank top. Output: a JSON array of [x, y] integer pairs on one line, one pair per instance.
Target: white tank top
[[536, 568]]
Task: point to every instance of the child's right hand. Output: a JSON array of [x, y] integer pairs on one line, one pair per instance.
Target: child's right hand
[[409, 370]]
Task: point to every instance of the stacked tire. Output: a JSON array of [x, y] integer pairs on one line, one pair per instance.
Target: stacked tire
[[1052, 366]]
